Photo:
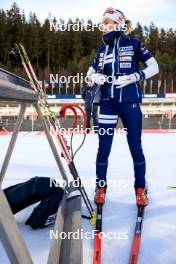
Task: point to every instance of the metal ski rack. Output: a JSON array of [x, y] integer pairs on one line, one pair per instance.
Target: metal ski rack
[[15, 90]]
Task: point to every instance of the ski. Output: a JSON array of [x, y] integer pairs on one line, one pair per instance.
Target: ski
[[53, 121], [97, 237], [172, 186], [137, 236]]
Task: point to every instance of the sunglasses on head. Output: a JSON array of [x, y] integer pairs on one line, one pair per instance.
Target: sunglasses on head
[[112, 11]]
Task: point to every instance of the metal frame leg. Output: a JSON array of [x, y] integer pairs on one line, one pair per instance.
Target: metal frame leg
[[12, 142], [10, 235]]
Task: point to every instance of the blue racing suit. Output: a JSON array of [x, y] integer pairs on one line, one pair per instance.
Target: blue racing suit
[[120, 55]]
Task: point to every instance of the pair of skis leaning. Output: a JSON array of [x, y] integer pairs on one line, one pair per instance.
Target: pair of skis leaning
[[133, 259], [20, 53]]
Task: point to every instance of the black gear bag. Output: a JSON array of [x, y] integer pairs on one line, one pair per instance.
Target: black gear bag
[[37, 189]]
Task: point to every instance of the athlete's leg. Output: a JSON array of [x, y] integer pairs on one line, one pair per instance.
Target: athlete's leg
[[107, 123], [131, 116]]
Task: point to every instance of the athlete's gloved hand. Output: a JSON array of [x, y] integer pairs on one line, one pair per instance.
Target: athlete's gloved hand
[[125, 80], [98, 78]]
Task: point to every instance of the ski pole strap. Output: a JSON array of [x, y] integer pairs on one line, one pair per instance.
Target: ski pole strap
[[83, 114], [74, 108], [63, 110]]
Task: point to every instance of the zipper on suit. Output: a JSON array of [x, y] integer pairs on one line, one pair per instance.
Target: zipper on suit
[[120, 100], [99, 86], [113, 70], [106, 51]]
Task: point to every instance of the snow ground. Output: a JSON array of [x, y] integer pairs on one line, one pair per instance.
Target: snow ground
[[32, 156]]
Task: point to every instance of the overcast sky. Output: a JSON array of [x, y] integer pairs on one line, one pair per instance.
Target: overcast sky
[[161, 12]]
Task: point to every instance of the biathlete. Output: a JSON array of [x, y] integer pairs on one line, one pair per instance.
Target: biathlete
[[116, 70]]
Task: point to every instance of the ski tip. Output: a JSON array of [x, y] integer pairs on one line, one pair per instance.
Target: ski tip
[[172, 186]]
